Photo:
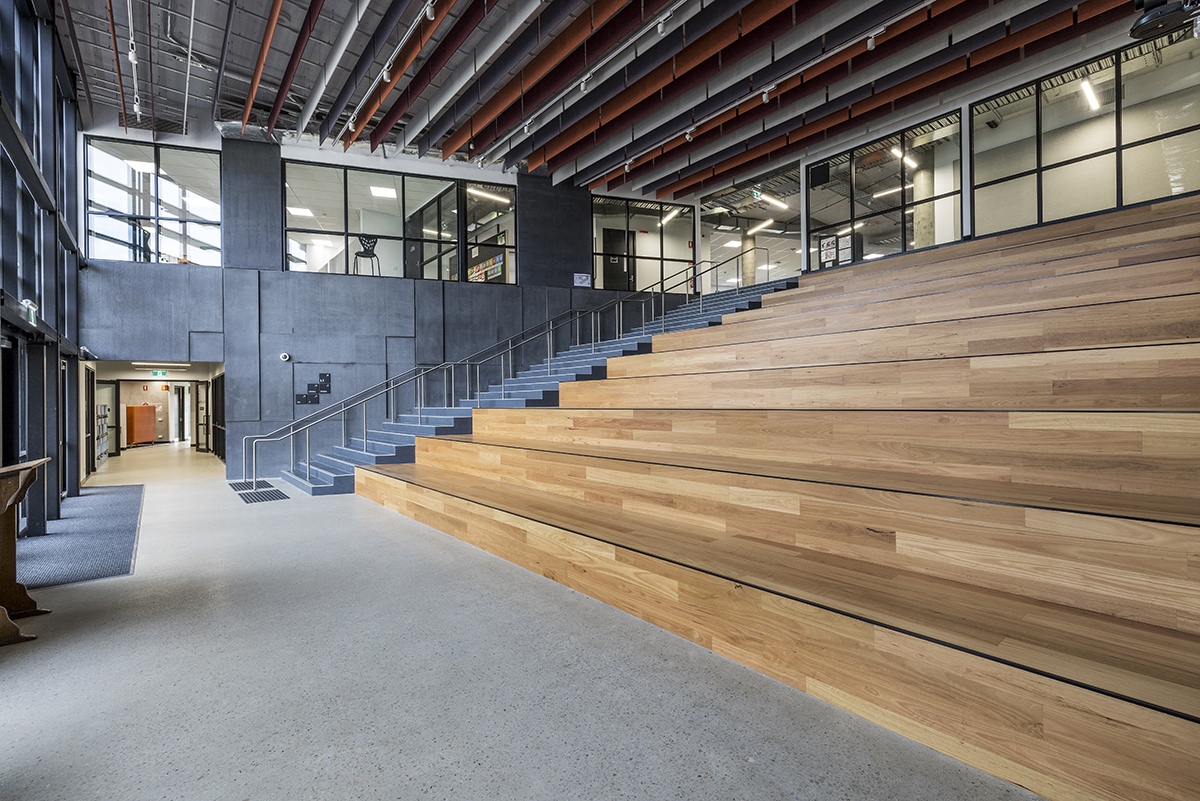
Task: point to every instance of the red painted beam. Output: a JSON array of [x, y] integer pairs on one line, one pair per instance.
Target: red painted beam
[[263, 49], [289, 75]]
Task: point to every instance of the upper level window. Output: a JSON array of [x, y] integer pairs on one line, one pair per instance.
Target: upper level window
[[1121, 129], [364, 222], [149, 203], [896, 194], [640, 244]]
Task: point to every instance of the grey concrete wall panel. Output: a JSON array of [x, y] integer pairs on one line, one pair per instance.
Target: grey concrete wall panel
[[316, 303], [241, 293], [477, 316], [251, 205], [206, 346], [135, 311], [204, 299], [430, 328], [555, 225]]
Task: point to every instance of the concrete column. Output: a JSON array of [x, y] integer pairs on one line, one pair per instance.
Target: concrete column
[[924, 224], [749, 260]]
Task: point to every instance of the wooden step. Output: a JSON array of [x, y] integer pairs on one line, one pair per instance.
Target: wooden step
[[1024, 290], [1171, 219], [863, 637], [1152, 378], [1108, 325], [936, 279], [1135, 569], [1139, 466]]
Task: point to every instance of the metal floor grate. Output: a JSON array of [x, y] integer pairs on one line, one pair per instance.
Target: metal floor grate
[[242, 486], [261, 496]]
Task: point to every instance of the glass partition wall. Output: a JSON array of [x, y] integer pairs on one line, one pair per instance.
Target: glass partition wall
[[152, 204], [889, 196], [637, 244], [363, 222], [1115, 131]]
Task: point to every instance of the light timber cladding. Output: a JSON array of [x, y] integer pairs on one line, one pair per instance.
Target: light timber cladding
[[954, 492], [1057, 739]]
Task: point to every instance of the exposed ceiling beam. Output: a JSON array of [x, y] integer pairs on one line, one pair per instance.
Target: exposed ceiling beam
[[306, 29], [87, 89], [566, 47], [112, 30], [224, 57], [403, 57], [263, 49], [463, 27], [506, 59], [348, 28], [391, 19]]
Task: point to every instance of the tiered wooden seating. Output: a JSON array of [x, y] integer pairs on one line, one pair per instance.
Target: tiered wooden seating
[[964, 506]]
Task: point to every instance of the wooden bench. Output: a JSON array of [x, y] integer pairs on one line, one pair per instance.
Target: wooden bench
[[1023, 289], [1133, 466], [1151, 321], [1065, 702]]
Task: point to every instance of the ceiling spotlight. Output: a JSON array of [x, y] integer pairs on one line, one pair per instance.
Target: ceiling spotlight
[[132, 55], [429, 11], [690, 133], [584, 82], [527, 129], [871, 42], [766, 92], [628, 164], [662, 27]]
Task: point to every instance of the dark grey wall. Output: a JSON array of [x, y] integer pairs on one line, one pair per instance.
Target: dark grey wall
[[554, 232], [251, 205], [164, 312]]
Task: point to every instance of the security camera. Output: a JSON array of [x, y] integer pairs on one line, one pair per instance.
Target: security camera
[[283, 357], [1160, 16]]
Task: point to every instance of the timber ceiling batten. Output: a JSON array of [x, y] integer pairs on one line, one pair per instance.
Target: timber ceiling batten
[[391, 18], [403, 57], [272, 21], [289, 75], [1089, 16], [455, 38], [806, 66], [506, 62]]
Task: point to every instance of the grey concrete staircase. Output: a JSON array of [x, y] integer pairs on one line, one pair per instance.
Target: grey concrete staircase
[[394, 441]]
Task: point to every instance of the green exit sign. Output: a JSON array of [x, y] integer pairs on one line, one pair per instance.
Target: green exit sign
[[159, 373]]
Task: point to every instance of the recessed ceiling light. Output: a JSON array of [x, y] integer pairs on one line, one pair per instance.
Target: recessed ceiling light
[[140, 166], [296, 211], [328, 243], [384, 191], [733, 244]]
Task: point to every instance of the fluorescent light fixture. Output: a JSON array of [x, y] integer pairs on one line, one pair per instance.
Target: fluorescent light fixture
[[873, 256], [296, 211], [909, 211], [669, 217], [731, 280], [480, 193], [848, 230], [161, 364], [887, 192], [759, 227], [383, 191], [140, 166], [325, 243], [896, 152], [774, 201], [733, 244], [1090, 94]]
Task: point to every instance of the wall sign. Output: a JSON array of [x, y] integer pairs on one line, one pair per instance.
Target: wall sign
[[583, 279]]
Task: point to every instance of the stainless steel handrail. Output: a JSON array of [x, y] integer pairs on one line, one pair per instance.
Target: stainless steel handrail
[[692, 274]]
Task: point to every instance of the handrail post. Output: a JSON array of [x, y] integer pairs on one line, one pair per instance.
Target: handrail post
[[420, 393], [254, 465], [307, 455]]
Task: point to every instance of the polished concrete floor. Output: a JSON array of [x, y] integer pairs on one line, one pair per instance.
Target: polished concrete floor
[[329, 648]]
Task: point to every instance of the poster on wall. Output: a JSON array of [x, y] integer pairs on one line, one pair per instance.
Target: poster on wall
[[828, 251], [487, 261]]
